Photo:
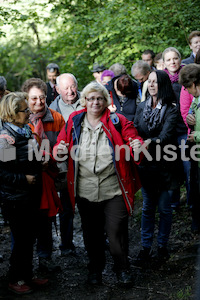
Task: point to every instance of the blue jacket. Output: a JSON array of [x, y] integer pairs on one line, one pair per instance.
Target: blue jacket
[[188, 60]]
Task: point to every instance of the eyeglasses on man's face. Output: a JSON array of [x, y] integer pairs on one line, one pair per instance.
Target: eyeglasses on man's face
[[34, 98], [92, 99]]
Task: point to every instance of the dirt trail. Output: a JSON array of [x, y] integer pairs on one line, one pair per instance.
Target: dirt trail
[[174, 280]]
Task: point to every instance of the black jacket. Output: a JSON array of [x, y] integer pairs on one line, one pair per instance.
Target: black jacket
[[15, 165], [157, 174], [128, 108], [51, 94]]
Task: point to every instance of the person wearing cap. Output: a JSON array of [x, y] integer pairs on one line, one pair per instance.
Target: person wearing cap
[[97, 71], [52, 73]]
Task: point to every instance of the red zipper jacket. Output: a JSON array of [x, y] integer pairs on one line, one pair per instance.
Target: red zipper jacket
[[126, 170]]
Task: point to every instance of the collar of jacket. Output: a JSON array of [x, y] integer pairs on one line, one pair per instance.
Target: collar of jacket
[[48, 116], [78, 118]]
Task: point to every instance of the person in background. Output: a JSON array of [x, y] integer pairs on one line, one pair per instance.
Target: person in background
[[118, 69], [148, 56], [3, 84], [97, 71], [68, 95], [123, 92], [21, 189], [46, 123], [52, 73], [158, 61], [66, 103], [106, 76], [172, 60], [190, 79], [185, 103], [156, 119], [3, 92], [186, 98], [194, 43], [101, 207], [140, 71]]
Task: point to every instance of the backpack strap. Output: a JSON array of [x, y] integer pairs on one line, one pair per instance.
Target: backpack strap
[[115, 120]]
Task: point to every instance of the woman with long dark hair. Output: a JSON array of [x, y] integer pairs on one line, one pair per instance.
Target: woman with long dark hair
[[156, 120]]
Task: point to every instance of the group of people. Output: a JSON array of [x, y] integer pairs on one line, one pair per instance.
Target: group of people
[[116, 133]]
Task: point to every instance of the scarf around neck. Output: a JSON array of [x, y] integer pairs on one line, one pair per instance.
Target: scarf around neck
[[154, 116], [174, 78], [36, 120], [24, 131]]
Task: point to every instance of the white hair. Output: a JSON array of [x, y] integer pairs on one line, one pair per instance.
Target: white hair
[[70, 75]]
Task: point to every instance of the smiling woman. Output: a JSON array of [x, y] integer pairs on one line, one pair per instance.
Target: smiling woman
[[172, 60], [21, 184], [104, 187], [46, 124]]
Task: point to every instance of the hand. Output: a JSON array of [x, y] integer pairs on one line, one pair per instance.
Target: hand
[[31, 179], [45, 165], [190, 119], [135, 144], [190, 137], [62, 148], [112, 108]]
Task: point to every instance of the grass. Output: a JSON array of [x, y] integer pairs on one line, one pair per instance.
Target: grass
[[184, 294]]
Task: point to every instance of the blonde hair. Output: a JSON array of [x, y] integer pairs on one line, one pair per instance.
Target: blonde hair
[[10, 105], [94, 86], [170, 49]]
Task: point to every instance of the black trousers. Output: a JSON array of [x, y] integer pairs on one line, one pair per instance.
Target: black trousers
[[66, 221], [22, 218], [44, 236], [195, 191], [108, 216]]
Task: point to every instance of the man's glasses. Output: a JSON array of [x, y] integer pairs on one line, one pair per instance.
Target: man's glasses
[[92, 99], [26, 110], [34, 98]]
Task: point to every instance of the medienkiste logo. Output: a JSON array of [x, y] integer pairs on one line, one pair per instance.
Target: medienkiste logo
[[7, 148]]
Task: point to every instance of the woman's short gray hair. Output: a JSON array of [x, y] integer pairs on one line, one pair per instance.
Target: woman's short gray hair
[[10, 105], [170, 49], [94, 86]]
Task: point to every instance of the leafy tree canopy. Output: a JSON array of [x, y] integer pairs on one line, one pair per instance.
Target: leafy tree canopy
[[75, 34]]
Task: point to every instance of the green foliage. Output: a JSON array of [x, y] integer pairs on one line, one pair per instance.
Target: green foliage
[[75, 34], [184, 294]]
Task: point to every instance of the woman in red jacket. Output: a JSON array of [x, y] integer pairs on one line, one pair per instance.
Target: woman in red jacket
[[101, 178]]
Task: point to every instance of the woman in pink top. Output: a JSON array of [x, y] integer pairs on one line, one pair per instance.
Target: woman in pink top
[[185, 102]]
